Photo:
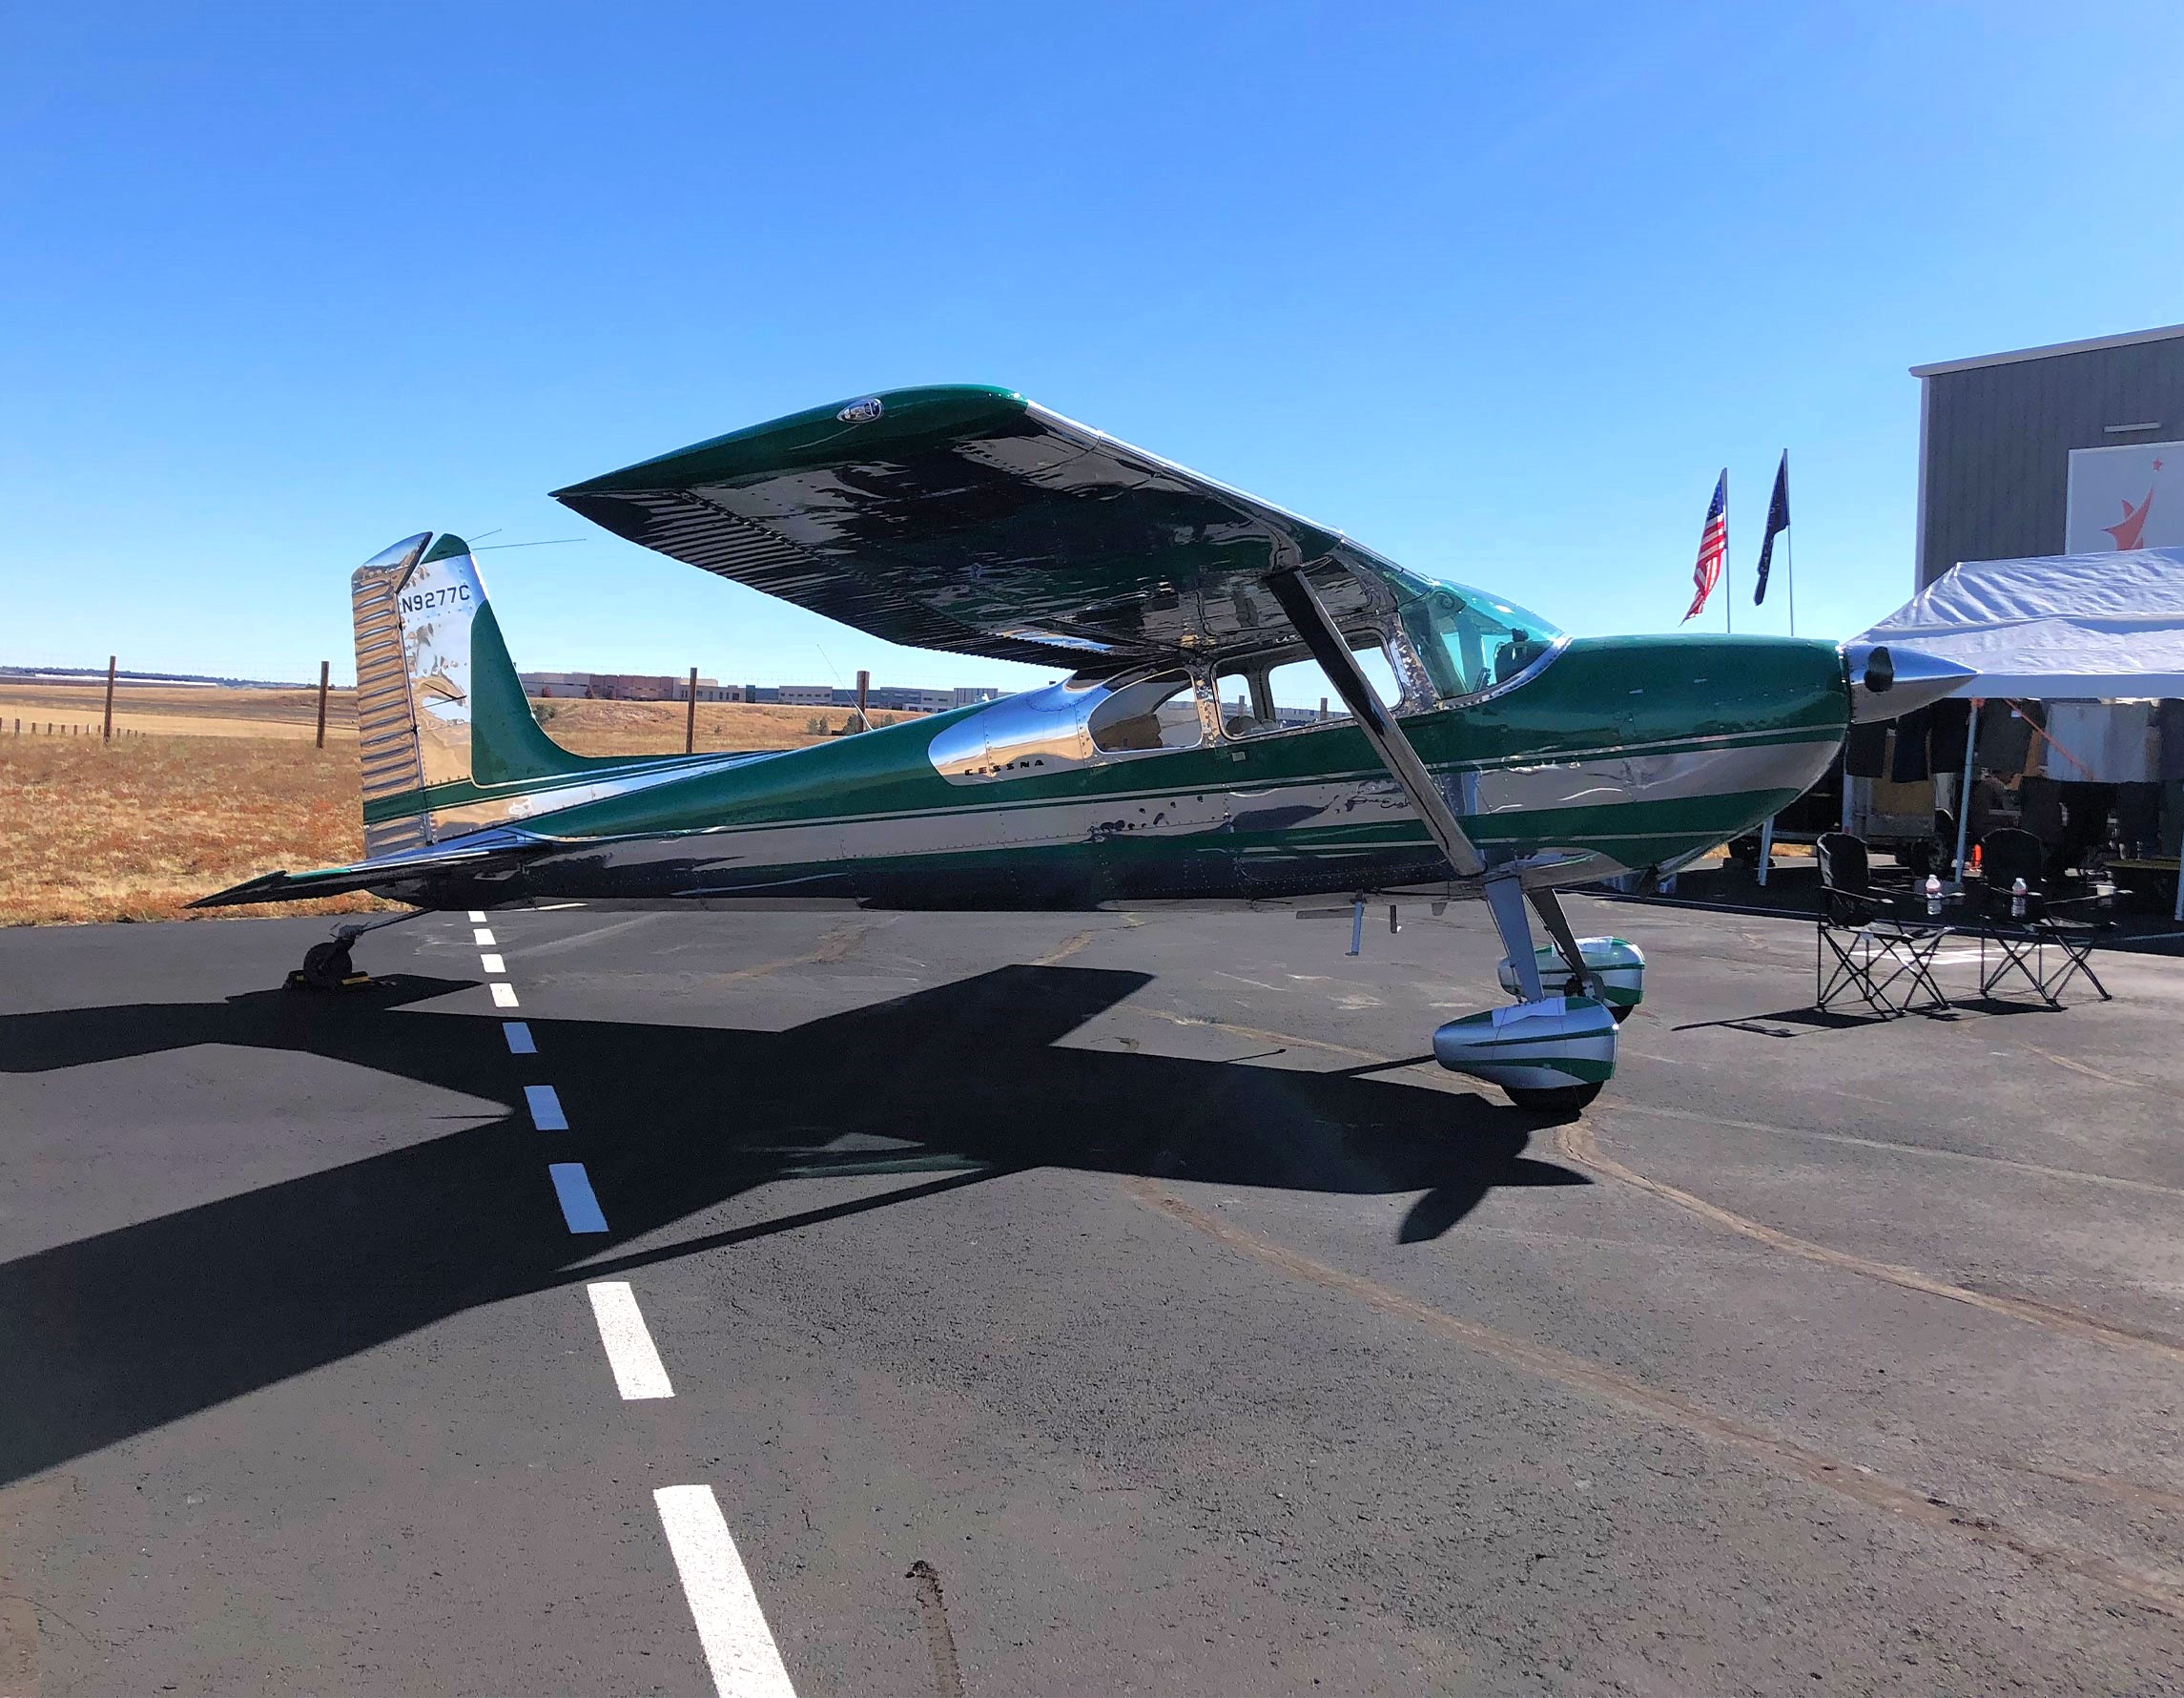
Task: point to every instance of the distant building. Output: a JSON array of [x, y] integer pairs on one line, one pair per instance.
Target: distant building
[[2072, 448], [904, 699], [625, 687]]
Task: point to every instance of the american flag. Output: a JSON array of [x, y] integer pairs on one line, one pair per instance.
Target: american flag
[[1713, 548]]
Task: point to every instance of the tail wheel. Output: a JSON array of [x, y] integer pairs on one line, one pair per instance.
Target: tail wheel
[[327, 966]]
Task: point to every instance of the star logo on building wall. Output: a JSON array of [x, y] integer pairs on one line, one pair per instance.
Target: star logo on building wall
[[2133, 526]]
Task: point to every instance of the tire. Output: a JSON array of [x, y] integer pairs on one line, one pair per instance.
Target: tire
[[327, 966], [1559, 1099]]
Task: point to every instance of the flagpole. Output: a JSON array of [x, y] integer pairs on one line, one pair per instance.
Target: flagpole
[[1789, 549], [1728, 577]]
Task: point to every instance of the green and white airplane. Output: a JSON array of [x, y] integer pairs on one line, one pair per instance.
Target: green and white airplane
[[1258, 711]]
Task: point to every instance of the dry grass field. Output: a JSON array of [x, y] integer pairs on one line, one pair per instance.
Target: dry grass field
[[656, 727], [137, 830], [177, 709], [212, 786], [585, 727]]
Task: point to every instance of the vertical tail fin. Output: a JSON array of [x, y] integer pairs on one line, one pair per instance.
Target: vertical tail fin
[[446, 738]]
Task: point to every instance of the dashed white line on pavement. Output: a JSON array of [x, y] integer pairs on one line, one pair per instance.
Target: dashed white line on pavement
[[572, 1184], [638, 1370], [739, 1644], [739, 1647]]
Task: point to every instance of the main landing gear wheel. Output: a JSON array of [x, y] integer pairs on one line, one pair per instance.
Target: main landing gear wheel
[[1554, 1050], [1561, 1099]]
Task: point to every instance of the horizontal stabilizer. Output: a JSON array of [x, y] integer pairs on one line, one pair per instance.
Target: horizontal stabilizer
[[386, 873]]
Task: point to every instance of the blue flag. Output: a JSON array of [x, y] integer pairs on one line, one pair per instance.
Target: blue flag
[[1778, 522]]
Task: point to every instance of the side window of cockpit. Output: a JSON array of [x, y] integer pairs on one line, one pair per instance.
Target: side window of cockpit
[[1379, 671], [1257, 698], [1304, 694], [1158, 713], [1246, 709]]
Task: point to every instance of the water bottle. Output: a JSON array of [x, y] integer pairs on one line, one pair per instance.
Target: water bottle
[[1933, 897], [2018, 894]]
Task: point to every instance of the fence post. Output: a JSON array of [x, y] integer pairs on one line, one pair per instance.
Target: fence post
[[107, 735], [325, 668], [690, 720]]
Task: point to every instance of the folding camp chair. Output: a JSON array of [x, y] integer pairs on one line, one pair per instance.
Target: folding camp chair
[[2024, 928], [1886, 962]]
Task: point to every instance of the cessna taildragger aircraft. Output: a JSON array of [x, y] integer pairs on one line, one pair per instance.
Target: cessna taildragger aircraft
[[1220, 737]]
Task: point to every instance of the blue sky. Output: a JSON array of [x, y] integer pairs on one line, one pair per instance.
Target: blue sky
[[1496, 290]]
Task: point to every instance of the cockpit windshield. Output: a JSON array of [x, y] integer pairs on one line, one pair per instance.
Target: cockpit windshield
[[1466, 640]]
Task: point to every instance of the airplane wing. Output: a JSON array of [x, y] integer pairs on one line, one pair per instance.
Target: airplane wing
[[971, 520]]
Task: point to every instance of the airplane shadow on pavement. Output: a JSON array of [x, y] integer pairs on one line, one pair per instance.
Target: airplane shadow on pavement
[[113, 1334]]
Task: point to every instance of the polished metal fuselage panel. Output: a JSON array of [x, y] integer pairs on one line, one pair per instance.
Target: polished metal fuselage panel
[[1039, 731]]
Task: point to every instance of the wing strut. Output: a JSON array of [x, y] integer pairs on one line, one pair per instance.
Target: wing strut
[[1298, 600]]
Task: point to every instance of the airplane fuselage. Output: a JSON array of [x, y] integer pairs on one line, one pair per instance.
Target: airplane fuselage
[[1621, 753]]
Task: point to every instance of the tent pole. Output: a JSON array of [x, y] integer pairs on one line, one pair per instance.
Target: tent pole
[[1963, 796], [1767, 849]]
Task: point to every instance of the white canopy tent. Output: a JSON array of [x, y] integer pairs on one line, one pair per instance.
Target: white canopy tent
[[2063, 625], [2060, 627]]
